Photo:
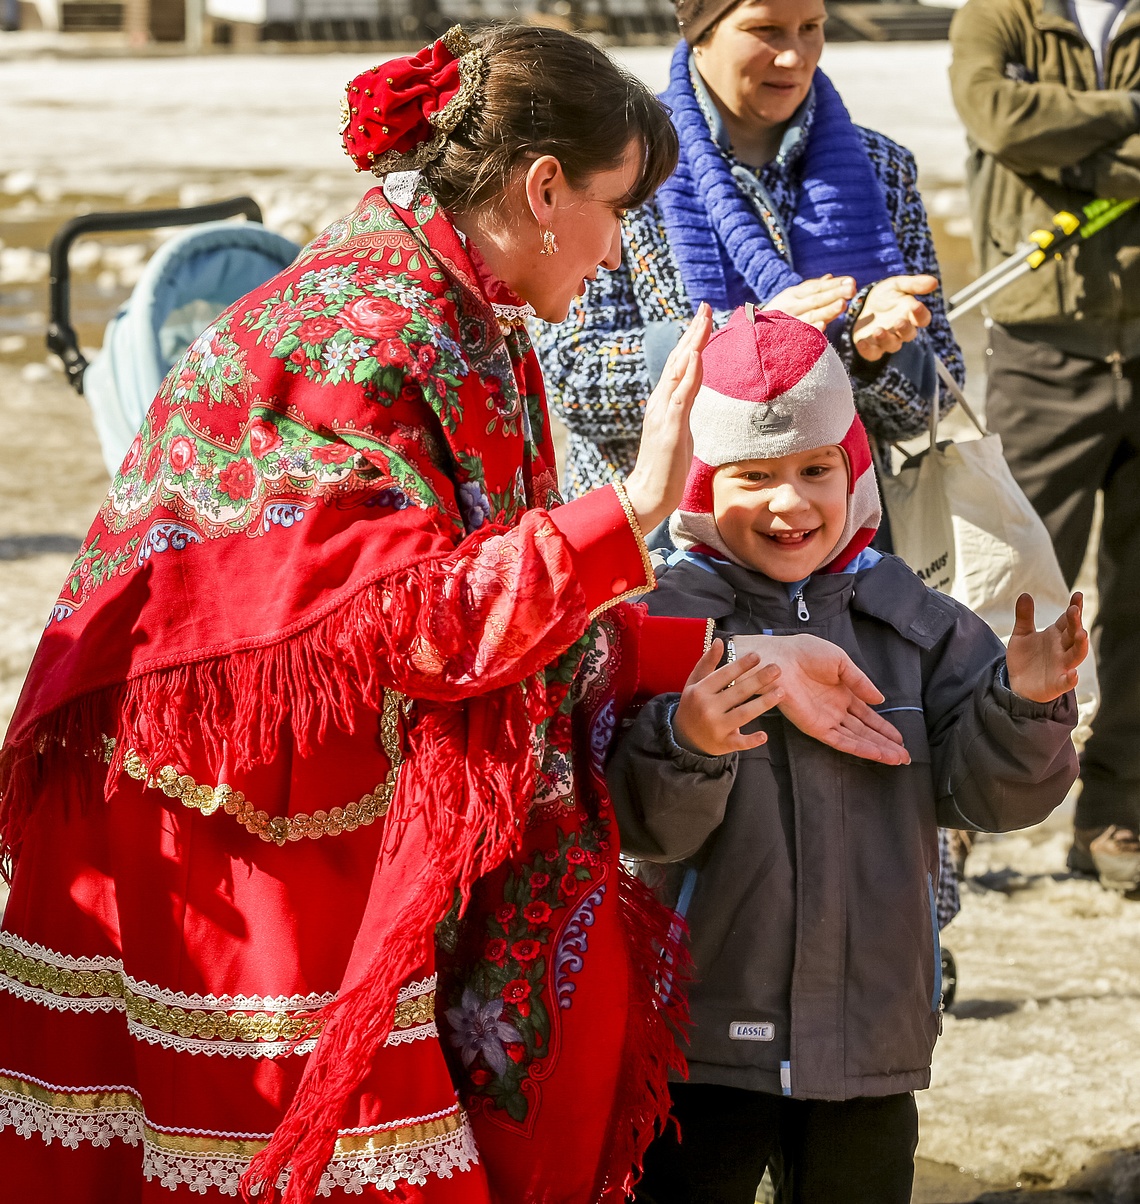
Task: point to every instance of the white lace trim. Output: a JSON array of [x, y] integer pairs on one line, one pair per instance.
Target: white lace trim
[[411, 1164], [404, 1036], [258, 1049], [228, 1003], [385, 1168], [61, 961], [216, 1048], [414, 989], [60, 1003]]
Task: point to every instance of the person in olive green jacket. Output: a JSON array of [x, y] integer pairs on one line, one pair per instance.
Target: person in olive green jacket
[[1049, 92]]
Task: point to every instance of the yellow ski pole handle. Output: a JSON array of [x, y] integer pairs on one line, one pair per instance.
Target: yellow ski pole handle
[[1067, 228], [1065, 225]]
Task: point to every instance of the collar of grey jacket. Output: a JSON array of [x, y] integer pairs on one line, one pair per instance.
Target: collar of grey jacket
[[888, 591]]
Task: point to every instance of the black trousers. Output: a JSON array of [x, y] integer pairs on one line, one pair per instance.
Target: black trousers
[[1070, 427], [858, 1151]]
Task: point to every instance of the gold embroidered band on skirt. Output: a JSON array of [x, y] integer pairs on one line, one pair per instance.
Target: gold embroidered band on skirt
[[409, 1150], [280, 829], [65, 983]]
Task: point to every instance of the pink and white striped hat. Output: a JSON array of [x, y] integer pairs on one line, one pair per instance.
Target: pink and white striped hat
[[774, 386]]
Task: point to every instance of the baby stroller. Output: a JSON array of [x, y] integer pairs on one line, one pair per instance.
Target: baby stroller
[[189, 281]]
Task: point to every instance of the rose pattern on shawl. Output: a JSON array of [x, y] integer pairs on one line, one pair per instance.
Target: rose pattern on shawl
[[347, 322], [237, 479], [94, 566], [213, 369], [264, 437], [183, 454], [512, 971], [217, 491], [569, 681]]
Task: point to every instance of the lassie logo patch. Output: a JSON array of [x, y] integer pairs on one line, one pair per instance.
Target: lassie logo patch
[[750, 1030]]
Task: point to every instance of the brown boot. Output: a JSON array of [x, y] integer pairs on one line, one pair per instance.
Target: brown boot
[[1112, 854]]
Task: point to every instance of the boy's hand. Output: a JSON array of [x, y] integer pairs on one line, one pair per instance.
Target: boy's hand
[[717, 703], [1042, 665], [827, 696]]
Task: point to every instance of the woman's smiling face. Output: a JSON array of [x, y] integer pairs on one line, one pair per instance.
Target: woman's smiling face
[[783, 517], [759, 59], [586, 224]]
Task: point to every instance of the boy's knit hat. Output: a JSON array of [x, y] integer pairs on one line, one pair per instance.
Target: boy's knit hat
[[773, 386]]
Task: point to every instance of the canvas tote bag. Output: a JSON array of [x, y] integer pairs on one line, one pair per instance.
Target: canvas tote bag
[[961, 521]]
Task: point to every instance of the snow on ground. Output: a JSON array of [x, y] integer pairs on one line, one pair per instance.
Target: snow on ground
[[1038, 1072], [103, 119]]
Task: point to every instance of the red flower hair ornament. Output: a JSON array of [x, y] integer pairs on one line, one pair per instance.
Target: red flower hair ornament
[[399, 115]]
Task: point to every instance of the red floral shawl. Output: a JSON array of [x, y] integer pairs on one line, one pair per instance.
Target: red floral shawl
[[333, 497]]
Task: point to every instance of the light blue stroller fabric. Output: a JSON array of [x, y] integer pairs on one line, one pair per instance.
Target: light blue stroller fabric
[[187, 283]]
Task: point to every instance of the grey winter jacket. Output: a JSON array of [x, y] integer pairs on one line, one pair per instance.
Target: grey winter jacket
[[812, 918]]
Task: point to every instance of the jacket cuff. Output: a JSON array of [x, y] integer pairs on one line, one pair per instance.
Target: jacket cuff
[[1062, 709], [684, 759], [668, 649], [610, 558]]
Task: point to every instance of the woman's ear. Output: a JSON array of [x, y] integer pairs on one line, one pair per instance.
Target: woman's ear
[[545, 181]]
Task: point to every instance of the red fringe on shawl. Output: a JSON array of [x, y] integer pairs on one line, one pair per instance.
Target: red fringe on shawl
[[660, 969], [308, 681], [462, 843]]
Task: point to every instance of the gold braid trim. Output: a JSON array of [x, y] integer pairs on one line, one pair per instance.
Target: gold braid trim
[[216, 1024], [646, 562], [93, 984], [281, 828], [93, 1103], [258, 1026]]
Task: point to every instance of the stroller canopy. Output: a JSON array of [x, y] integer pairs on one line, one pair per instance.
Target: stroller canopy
[[187, 283]]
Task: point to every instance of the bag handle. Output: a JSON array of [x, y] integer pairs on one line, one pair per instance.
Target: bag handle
[[953, 389]]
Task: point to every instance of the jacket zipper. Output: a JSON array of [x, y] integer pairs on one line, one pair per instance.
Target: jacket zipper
[[802, 612]]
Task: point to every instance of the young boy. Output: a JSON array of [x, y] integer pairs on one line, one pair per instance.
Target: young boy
[[807, 877]]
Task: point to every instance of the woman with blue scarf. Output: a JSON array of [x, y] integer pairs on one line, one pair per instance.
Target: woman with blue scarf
[[778, 199]]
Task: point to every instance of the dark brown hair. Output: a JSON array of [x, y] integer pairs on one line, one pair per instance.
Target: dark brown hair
[[551, 93]]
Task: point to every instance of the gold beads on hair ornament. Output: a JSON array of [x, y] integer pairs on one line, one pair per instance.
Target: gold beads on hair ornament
[[549, 243]]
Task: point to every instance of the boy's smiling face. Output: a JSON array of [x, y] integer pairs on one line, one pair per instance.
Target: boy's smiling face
[[783, 517]]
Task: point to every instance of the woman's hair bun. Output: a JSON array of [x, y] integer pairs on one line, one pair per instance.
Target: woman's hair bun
[[398, 116]]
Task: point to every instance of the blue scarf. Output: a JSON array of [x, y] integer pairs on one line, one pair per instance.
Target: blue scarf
[[721, 245]]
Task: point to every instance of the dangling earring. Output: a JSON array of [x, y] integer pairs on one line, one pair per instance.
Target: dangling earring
[[549, 243]]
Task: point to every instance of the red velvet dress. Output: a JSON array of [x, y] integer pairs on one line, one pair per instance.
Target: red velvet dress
[[333, 671]]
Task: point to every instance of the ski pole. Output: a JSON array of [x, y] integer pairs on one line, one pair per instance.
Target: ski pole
[[1067, 228]]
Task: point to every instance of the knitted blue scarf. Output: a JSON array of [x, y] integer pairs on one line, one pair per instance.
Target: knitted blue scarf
[[721, 245]]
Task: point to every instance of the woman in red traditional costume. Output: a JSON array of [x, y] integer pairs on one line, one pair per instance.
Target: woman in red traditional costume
[[303, 797]]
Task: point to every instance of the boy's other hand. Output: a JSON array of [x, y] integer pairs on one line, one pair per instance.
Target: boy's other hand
[[1042, 665], [827, 696], [716, 703]]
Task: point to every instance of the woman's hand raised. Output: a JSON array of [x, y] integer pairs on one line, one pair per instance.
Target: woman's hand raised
[[826, 695], [655, 485]]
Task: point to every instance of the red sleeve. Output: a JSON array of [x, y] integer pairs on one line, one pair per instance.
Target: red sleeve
[[501, 606], [667, 651], [610, 558]]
